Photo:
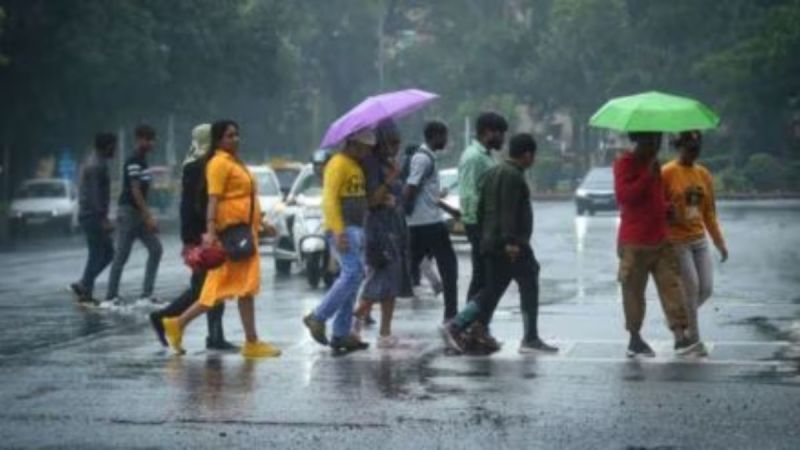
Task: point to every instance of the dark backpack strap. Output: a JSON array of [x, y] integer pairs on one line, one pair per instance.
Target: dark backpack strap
[[431, 168]]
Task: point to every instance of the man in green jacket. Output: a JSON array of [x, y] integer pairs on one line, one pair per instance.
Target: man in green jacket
[[506, 220], [472, 167]]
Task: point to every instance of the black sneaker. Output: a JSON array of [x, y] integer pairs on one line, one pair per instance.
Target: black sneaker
[[537, 346], [158, 327], [347, 344], [369, 321], [82, 296], [638, 347], [478, 340], [221, 345], [316, 328], [452, 336]]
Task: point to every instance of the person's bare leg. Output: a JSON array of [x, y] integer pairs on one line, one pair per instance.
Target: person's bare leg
[[247, 312], [192, 313], [363, 309], [361, 313], [387, 312]]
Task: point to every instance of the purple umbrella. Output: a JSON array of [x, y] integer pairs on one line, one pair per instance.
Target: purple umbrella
[[373, 110]]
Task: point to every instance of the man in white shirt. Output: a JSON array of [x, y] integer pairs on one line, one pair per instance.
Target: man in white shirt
[[428, 231]]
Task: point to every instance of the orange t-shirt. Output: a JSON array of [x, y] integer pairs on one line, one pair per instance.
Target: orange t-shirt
[[233, 183], [690, 190]]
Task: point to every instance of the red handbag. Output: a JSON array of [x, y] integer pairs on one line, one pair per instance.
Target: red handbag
[[205, 258]]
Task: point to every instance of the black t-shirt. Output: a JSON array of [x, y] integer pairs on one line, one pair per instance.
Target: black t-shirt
[[136, 168]]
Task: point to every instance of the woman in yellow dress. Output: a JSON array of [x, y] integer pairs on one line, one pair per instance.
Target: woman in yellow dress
[[230, 190]]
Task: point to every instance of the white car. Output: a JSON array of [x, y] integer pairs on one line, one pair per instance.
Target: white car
[[45, 201], [269, 192]]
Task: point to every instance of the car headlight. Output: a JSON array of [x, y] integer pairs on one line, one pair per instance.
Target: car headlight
[[581, 193]]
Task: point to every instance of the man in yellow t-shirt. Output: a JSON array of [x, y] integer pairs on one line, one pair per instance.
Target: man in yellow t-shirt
[[344, 207], [690, 192]]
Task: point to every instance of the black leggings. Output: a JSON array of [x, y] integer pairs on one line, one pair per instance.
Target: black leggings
[[187, 299]]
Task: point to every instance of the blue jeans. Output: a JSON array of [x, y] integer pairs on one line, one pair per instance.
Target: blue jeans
[[341, 298]]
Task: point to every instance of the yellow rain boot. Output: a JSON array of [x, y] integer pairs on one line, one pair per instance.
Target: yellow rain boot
[[174, 334]]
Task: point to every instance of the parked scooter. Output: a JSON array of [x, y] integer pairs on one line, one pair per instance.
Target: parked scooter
[[301, 238]]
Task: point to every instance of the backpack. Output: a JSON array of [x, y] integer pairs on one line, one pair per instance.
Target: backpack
[[409, 154]]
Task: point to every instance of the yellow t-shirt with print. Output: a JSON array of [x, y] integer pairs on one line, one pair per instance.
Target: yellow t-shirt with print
[[344, 194], [691, 192]]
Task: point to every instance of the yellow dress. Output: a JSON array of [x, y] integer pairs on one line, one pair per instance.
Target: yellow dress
[[230, 180]]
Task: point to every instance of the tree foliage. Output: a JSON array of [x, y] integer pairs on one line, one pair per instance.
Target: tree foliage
[[287, 69]]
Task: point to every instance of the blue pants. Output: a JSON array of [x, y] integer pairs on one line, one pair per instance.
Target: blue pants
[[341, 298]]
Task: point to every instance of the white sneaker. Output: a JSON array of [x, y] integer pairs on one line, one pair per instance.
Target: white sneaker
[[386, 342], [700, 350], [113, 304], [423, 293], [148, 302]]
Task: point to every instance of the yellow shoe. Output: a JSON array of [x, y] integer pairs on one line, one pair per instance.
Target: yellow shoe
[[174, 334], [260, 349]]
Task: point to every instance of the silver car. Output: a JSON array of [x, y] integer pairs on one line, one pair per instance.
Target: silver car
[[596, 192]]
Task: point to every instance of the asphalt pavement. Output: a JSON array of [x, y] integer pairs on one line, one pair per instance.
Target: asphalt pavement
[[73, 378]]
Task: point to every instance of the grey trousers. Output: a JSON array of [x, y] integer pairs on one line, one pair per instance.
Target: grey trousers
[[697, 273], [130, 227]]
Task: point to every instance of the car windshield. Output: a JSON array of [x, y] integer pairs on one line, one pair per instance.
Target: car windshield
[[310, 185], [266, 184], [42, 190], [599, 178], [286, 177], [449, 181]]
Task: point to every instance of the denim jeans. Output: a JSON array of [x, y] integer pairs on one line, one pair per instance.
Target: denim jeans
[[101, 252], [341, 298], [131, 227]]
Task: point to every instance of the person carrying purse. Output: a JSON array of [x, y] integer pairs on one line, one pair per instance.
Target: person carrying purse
[[232, 207]]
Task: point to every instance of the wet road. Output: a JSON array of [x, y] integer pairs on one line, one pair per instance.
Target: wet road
[[78, 379]]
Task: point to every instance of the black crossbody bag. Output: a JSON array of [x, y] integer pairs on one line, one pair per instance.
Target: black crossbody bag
[[237, 239]]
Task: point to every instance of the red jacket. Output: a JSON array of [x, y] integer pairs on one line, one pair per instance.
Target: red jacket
[[642, 202]]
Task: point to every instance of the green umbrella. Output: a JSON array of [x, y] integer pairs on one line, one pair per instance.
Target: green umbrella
[[654, 111]]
